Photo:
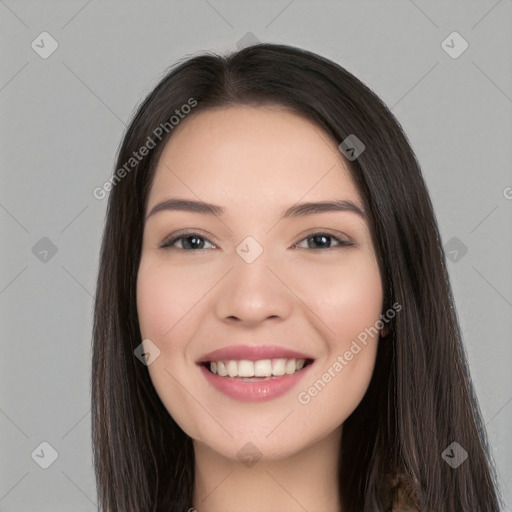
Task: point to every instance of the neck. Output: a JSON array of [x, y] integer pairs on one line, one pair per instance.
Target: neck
[[307, 480]]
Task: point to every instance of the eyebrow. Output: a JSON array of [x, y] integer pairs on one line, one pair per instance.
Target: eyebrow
[[296, 210]]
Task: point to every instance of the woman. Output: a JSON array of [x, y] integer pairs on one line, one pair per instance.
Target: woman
[[274, 325]]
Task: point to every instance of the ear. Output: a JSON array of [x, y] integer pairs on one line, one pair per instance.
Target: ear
[[384, 331]]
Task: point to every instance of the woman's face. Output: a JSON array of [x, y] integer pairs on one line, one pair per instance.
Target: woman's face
[[267, 287]]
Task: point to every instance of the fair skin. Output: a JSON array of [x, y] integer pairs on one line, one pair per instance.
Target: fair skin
[[300, 293]]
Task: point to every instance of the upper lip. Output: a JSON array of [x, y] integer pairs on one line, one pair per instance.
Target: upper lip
[[252, 353]]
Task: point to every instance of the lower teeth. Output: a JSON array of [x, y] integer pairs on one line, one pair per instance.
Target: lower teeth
[[256, 379]]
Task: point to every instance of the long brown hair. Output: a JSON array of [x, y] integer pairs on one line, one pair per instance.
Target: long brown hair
[[420, 399]]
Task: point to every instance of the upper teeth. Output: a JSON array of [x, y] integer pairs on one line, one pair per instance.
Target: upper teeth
[[260, 368]]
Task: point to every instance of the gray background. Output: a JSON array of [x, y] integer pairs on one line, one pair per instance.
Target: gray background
[[62, 120]]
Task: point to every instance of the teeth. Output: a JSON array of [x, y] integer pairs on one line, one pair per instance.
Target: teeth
[[232, 368], [260, 368], [291, 366], [245, 368], [221, 368], [263, 368], [279, 367]]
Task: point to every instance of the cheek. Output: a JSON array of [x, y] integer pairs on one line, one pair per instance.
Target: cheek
[[349, 307], [165, 307], [164, 297], [347, 297], [153, 297]]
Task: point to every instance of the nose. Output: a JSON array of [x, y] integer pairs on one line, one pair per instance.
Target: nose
[[252, 293]]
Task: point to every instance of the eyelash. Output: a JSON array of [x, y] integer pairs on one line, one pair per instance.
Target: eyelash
[[168, 244]]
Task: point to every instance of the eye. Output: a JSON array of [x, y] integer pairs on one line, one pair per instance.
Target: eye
[[190, 241], [194, 241], [322, 239]]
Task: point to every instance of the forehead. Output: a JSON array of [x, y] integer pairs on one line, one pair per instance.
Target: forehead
[[263, 154]]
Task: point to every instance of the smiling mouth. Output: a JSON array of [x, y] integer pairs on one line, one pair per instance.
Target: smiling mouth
[[255, 371]]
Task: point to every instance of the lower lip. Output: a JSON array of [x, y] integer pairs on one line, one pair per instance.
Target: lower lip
[[236, 388]]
